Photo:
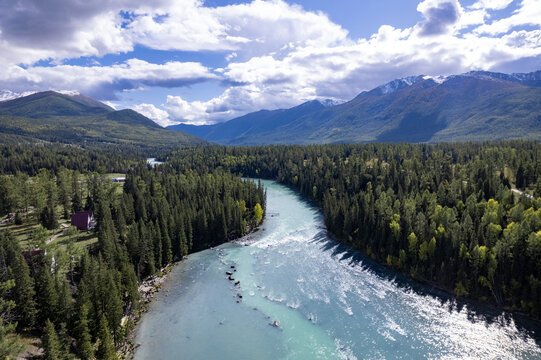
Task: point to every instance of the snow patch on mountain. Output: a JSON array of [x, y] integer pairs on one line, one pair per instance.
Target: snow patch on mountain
[[398, 84], [437, 79], [331, 102]]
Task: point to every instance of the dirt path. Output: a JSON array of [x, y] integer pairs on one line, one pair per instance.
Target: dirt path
[[57, 235]]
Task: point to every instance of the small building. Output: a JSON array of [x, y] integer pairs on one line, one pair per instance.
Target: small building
[[119, 179], [83, 220]]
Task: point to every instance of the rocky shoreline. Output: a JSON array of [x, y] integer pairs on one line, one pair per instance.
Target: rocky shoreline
[[147, 291]]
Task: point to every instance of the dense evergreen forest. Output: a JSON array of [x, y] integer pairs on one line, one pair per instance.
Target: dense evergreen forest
[[444, 214], [82, 300], [105, 158]]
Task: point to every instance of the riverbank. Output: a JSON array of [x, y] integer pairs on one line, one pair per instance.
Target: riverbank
[[147, 291], [150, 287]]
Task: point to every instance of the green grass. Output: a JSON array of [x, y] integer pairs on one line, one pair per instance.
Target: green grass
[[22, 232], [80, 240]]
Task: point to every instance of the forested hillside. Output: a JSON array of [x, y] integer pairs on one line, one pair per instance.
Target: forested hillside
[[443, 214], [79, 292], [51, 117], [30, 159]]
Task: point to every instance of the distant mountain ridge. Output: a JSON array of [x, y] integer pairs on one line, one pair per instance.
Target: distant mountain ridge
[[474, 106], [54, 117], [240, 130]]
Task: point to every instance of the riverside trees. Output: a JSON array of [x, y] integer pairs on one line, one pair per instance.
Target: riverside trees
[[440, 213]]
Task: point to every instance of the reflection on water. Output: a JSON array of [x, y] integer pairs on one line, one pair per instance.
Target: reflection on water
[[328, 301]]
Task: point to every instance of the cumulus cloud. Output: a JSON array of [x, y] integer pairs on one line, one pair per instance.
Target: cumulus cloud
[[104, 82], [233, 102], [439, 16], [529, 13], [152, 112], [57, 29]]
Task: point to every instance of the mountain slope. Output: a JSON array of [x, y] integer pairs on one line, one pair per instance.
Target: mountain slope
[[245, 130], [55, 117], [471, 107]]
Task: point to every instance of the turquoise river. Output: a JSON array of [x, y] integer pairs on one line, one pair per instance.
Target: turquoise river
[[304, 296]]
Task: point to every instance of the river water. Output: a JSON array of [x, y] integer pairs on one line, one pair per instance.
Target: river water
[[330, 303]]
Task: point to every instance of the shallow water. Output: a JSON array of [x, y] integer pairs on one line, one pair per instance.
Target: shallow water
[[330, 302]]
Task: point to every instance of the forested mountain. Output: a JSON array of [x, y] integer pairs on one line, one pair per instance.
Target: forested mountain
[[76, 119], [444, 214], [475, 106]]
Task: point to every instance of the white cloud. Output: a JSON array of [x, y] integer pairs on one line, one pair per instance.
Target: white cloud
[[491, 4], [6, 95], [36, 30], [529, 13], [111, 104], [231, 56], [440, 16], [152, 112], [104, 81]]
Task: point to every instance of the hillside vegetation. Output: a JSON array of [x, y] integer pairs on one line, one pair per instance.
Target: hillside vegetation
[[54, 117]]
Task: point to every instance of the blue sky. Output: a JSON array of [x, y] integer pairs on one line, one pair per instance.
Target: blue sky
[[208, 61]]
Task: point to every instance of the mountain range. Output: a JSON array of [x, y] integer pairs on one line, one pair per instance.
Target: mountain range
[[77, 119], [475, 106]]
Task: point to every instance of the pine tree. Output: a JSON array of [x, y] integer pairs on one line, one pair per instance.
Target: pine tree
[[24, 293], [106, 348], [110, 300], [76, 197], [9, 344], [48, 216], [52, 349], [47, 295], [129, 280], [167, 251], [106, 233], [64, 302], [85, 349]]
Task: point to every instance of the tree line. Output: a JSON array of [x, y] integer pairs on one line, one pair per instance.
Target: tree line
[[443, 214]]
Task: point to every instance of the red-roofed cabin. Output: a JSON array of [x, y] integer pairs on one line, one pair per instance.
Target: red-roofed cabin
[[83, 220]]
